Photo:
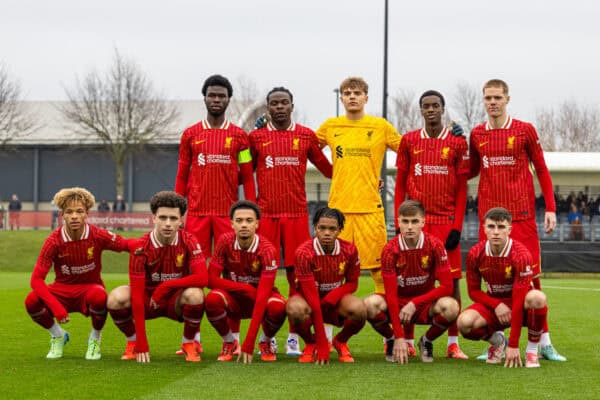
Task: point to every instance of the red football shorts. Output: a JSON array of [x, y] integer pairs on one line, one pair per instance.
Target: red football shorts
[[454, 257], [526, 233], [240, 307], [205, 228], [289, 232], [421, 315], [167, 309], [72, 297], [490, 316]]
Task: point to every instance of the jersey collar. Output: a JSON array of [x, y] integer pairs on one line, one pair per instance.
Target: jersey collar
[[443, 134], [253, 246], [271, 127], [319, 249], [67, 238], [505, 125], [224, 125], [505, 251], [156, 243], [404, 246]]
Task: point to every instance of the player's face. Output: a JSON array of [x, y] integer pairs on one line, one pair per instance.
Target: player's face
[[495, 101], [327, 230], [354, 99], [216, 100], [75, 215], [280, 107], [497, 231], [411, 225], [244, 223], [167, 221], [432, 109]]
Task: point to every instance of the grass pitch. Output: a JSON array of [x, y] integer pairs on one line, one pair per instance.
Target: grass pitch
[[25, 372]]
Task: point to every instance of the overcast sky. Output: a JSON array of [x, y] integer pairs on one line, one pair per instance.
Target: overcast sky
[[546, 50]]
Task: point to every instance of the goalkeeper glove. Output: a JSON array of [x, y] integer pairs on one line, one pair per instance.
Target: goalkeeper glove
[[453, 239], [457, 130], [260, 121]]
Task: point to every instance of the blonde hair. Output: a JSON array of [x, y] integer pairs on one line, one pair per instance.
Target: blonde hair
[[354, 82], [496, 83], [68, 195]]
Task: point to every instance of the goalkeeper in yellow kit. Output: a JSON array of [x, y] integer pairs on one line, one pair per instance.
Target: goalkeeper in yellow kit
[[358, 143]]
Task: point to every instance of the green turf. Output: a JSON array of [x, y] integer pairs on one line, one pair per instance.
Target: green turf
[[25, 373]]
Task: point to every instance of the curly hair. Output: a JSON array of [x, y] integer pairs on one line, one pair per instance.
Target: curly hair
[[170, 199], [66, 196]]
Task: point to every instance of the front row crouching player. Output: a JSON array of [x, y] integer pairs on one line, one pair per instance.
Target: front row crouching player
[[241, 276], [327, 270], [410, 264], [167, 272], [510, 300], [75, 250]]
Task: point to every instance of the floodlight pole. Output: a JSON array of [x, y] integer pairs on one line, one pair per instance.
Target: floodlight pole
[[384, 104], [337, 101]]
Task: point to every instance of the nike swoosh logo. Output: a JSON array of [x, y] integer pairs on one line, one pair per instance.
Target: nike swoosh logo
[[418, 151], [337, 134], [482, 144], [455, 270], [153, 262], [200, 141], [62, 255], [316, 270], [483, 269], [266, 144]]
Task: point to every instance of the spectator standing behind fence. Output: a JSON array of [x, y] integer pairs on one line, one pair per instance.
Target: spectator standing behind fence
[[103, 206], [575, 219], [594, 208], [14, 211], [1, 215], [119, 206]]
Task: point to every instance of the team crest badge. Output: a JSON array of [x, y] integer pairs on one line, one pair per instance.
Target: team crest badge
[[369, 134], [445, 152], [179, 260], [255, 266], [425, 262], [295, 143], [511, 142], [341, 268], [228, 142], [508, 272], [90, 253]]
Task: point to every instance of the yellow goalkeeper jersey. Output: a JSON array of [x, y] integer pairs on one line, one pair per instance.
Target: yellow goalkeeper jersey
[[357, 149]]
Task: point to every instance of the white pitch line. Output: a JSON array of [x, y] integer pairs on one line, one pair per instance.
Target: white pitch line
[[571, 288]]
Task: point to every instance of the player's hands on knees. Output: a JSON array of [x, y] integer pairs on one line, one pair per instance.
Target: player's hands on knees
[[549, 222], [63, 320], [142, 357], [153, 304], [246, 358], [400, 351], [407, 312], [513, 358], [503, 313]]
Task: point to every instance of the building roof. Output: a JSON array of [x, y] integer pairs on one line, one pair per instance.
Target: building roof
[[53, 129]]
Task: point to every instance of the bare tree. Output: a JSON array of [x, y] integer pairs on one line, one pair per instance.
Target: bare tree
[[246, 104], [570, 127], [15, 121], [467, 106], [121, 109], [404, 112]]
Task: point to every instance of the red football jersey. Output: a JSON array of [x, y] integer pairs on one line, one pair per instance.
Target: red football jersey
[[330, 271], [77, 261], [280, 157], [245, 266], [416, 270], [507, 278], [433, 165], [207, 173], [503, 159], [158, 263]]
